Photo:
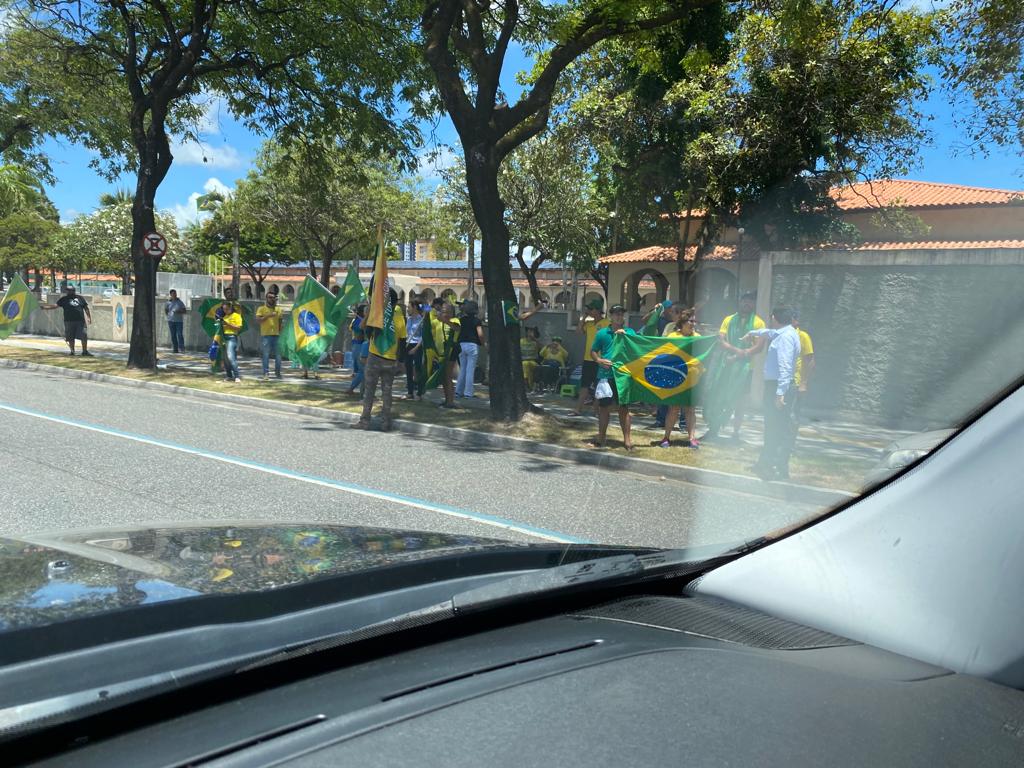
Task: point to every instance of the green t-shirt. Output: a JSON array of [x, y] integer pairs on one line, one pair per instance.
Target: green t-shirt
[[603, 345]]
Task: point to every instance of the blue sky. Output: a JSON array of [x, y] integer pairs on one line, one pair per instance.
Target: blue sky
[[228, 149]]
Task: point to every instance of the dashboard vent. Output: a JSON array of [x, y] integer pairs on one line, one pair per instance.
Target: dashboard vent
[[716, 620]]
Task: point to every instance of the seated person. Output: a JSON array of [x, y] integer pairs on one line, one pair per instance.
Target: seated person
[[554, 357]]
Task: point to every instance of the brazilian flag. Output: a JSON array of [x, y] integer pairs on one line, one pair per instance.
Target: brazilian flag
[[510, 313], [16, 306], [434, 359], [651, 326], [664, 370], [310, 330], [352, 293], [209, 312]]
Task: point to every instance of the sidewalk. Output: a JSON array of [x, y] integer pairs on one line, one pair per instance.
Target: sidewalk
[[829, 455]]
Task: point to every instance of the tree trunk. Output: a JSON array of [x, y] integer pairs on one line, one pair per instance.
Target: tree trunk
[[530, 272], [154, 162], [505, 367], [325, 267]]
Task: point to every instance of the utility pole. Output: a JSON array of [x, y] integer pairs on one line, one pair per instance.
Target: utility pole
[[235, 271], [471, 257]]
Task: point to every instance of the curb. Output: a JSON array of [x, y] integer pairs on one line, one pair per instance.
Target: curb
[[790, 492]]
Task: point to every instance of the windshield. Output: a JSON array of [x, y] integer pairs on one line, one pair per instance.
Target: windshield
[[335, 297]]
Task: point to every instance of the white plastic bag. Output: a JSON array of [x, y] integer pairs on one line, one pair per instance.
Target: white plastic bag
[[604, 389]]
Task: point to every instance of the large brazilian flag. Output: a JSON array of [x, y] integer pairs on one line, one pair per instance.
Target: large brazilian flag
[[16, 306], [664, 370], [310, 329]]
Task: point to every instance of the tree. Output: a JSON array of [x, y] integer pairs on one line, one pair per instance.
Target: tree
[[101, 241], [260, 246], [26, 240], [465, 46], [546, 185], [983, 59], [19, 189], [317, 65], [328, 198]]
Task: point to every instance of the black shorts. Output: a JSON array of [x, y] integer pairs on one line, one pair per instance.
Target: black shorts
[[588, 376], [605, 402], [75, 329]]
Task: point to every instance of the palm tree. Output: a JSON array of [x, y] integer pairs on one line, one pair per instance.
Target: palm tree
[[19, 189]]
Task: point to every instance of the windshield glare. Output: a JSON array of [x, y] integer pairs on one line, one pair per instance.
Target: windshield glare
[[686, 288]]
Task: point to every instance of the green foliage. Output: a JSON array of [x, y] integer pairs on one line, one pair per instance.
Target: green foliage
[[982, 56], [101, 241], [26, 239]]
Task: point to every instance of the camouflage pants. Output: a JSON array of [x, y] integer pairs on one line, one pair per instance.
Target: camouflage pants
[[383, 370]]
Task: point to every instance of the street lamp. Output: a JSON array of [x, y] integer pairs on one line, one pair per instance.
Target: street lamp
[[739, 263]]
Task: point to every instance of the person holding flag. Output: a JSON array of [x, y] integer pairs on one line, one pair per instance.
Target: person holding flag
[[385, 328], [309, 333], [76, 310], [231, 327], [682, 327], [606, 392], [16, 306], [729, 380]]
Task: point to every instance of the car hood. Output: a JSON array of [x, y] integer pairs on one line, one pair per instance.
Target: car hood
[[50, 578]]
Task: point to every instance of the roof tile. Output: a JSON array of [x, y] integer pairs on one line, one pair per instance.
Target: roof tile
[[668, 253], [872, 195]]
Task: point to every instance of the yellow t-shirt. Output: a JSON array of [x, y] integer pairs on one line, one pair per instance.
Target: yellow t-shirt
[[392, 353], [561, 354], [269, 320], [806, 348], [591, 327], [234, 318], [758, 324]]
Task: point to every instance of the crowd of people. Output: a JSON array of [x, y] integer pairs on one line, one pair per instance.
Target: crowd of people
[[442, 343]]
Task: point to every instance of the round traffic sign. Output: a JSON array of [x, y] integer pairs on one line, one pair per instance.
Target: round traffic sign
[[154, 244]]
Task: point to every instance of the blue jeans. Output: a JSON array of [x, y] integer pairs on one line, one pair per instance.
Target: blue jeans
[[467, 368], [268, 346], [177, 335], [358, 348], [231, 358]]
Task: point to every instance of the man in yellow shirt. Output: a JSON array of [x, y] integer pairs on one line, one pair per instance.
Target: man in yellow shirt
[[231, 326], [269, 318], [804, 363], [728, 385], [381, 365], [593, 320]]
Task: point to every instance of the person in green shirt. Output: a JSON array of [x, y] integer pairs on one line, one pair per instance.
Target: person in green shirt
[[605, 393]]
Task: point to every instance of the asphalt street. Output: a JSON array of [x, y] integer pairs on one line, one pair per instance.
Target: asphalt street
[[80, 454]]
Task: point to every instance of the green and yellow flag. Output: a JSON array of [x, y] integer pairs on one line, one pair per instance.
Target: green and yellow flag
[[310, 330], [664, 370], [380, 317], [16, 306], [210, 317], [651, 326], [351, 294], [510, 313]]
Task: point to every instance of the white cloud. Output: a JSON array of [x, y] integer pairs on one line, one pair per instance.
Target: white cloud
[[68, 215], [195, 153], [209, 122], [186, 213]]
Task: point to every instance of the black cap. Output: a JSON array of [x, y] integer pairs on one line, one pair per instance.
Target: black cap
[[616, 308]]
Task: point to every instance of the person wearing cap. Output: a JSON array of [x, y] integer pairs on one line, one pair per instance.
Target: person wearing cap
[[729, 382], [591, 322], [605, 391], [76, 310]]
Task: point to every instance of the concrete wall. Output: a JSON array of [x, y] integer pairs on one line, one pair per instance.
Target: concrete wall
[[913, 347]]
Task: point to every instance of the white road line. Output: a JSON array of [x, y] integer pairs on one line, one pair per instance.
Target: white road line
[[269, 469]]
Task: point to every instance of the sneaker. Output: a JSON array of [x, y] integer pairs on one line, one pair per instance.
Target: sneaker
[[695, 444], [87, 354], [238, 380], [664, 444]]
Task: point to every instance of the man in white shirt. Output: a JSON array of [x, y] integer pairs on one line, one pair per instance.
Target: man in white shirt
[[779, 395]]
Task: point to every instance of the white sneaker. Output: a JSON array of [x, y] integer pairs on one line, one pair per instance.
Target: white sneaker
[[238, 381]]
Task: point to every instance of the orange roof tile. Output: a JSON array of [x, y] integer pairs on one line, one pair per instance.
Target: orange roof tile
[[668, 253], [872, 195], [919, 245]]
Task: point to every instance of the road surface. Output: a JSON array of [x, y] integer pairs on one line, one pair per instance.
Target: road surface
[[83, 454]]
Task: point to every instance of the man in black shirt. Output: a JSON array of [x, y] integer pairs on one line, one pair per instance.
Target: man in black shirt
[[76, 310]]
